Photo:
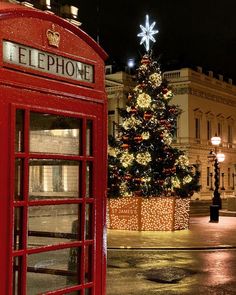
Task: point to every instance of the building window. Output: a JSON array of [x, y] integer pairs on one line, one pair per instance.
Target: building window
[[57, 184], [197, 121], [209, 133], [219, 129], [230, 134], [175, 132], [111, 123], [197, 129], [230, 131], [36, 178], [229, 176]]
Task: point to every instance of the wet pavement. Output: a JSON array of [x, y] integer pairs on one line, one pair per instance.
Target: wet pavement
[[201, 234], [150, 272], [201, 260]]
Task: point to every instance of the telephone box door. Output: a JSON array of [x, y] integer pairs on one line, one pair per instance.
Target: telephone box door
[[55, 179]]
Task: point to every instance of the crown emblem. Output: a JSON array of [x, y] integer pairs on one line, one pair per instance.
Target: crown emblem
[[53, 37]]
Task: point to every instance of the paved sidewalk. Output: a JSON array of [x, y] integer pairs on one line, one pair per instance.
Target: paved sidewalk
[[201, 235]]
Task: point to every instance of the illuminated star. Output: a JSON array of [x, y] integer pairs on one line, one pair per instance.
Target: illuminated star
[[147, 33]]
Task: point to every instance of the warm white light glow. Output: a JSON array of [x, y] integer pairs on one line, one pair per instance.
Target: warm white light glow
[[130, 63], [216, 140], [147, 33], [48, 3], [148, 214], [65, 177], [220, 157], [74, 11]]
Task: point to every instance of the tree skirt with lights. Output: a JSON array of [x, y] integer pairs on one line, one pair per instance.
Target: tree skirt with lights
[[148, 214]]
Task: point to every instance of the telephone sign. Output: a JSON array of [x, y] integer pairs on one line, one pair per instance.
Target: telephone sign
[[42, 61]]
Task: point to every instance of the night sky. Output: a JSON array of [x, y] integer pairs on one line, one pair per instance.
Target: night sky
[[191, 32]]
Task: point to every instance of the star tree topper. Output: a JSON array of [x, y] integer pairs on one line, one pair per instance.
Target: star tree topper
[[147, 33]]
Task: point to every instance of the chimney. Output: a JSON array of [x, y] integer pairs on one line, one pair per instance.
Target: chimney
[[230, 81], [210, 74], [221, 77], [70, 13], [199, 69]]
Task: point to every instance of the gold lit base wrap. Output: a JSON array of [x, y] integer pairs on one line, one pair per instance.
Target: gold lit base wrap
[[152, 214]]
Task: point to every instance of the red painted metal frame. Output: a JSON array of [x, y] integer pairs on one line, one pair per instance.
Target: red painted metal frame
[[31, 92], [25, 203]]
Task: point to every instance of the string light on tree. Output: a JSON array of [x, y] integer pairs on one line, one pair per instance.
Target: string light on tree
[[147, 33]]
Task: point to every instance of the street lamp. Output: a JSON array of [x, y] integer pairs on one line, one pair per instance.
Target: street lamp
[[216, 158], [211, 187]]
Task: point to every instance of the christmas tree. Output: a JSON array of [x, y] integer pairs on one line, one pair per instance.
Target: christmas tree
[[142, 160]]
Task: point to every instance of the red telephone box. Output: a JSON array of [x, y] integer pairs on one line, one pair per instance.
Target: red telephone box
[[53, 156]]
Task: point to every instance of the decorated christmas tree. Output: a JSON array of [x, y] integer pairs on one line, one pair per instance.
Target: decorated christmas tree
[[142, 158]]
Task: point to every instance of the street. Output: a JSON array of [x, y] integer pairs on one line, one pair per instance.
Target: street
[[187, 272]]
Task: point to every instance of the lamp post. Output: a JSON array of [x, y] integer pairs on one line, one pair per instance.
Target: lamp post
[[211, 187], [216, 158]]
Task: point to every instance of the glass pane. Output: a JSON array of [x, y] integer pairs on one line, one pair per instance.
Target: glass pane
[[54, 134], [88, 291], [18, 228], [54, 224], [89, 174], [53, 270], [88, 224], [54, 179], [19, 132], [17, 270], [18, 180], [88, 264], [89, 142]]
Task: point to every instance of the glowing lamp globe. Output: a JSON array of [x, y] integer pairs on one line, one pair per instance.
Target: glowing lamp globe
[[220, 157], [130, 63], [215, 140]]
